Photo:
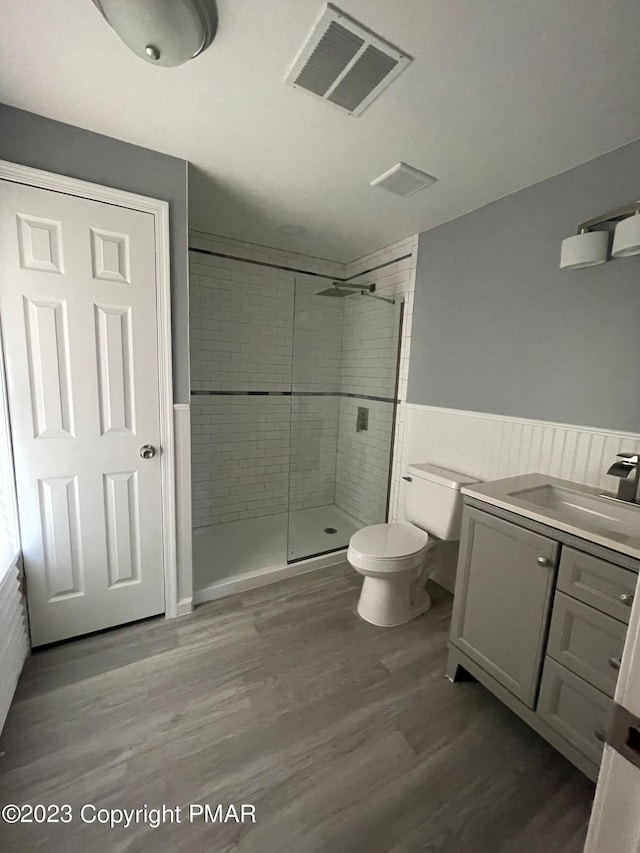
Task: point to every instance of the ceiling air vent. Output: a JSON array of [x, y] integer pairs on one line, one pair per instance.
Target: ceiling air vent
[[402, 179], [344, 63]]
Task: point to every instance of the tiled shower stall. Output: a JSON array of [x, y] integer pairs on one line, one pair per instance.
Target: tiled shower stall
[[280, 472]]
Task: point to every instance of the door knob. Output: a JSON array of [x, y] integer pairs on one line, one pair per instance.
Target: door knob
[[542, 561], [627, 598], [614, 663], [147, 451], [600, 735]]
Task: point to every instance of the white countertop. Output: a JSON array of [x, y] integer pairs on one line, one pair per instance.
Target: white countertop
[[498, 493]]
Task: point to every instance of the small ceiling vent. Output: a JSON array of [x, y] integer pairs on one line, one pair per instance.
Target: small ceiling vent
[[344, 63], [402, 179]]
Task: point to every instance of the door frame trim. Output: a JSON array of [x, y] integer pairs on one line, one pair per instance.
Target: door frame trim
[[160, 211]]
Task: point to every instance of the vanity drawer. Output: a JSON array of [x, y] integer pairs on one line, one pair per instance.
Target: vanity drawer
[[597, 582], [586, 641], [574, 709]]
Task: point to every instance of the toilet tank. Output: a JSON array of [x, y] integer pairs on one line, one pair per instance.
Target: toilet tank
[[432, 500]]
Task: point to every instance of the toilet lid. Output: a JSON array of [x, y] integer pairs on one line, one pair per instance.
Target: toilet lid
[[388, 541]]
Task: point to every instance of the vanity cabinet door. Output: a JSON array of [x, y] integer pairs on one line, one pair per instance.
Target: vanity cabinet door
[[503, 593]]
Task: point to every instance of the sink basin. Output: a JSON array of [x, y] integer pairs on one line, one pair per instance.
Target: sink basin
[[599, 514]]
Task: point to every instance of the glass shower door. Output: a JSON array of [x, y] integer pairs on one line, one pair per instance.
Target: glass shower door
[[345, 369]]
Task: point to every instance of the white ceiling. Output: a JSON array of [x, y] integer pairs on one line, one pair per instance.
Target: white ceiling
[[501, 94]]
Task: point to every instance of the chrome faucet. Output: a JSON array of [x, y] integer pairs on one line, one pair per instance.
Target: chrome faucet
[[628, 470]]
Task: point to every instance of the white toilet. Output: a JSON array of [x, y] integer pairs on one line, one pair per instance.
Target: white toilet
[[393, 557]]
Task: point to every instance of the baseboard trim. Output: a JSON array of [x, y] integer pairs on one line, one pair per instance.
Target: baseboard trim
[[185, 606]]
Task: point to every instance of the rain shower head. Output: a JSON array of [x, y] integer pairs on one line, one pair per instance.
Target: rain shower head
[[343, 288], [340, 288], [335, 291]]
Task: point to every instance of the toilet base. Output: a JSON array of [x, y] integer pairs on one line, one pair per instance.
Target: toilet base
[[389, 602]]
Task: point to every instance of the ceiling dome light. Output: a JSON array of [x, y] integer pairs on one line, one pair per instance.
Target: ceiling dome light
[[584, 250], [626, 240], [162, 32]]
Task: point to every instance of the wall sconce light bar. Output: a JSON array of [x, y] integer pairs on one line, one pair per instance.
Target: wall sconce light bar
[[589, 247], [616, 215]]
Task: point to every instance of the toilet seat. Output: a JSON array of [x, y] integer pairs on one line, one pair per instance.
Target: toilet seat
[[388, 548]]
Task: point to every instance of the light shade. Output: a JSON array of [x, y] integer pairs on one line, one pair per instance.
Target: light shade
[[626, 240], [584, 250], [162, 32]]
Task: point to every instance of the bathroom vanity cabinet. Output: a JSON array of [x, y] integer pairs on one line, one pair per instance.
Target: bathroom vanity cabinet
[[540, 618]]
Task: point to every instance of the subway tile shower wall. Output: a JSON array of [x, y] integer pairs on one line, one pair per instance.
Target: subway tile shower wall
[[318, 337], [240, 457], [370, 348], [362, 472], [396, 279], [369, 363], [258, 328], [314, 440], [241, 326], [257, 455]]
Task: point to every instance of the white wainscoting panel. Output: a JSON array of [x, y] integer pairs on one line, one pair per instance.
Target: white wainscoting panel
[[184, 539], [15, 646], [490, 447]]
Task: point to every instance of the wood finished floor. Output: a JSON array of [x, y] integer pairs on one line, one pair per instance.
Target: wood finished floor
[[346, 737]]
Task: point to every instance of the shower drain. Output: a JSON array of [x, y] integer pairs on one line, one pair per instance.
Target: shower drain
[[330, 530]]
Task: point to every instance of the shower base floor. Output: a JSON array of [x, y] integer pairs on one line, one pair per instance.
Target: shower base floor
[[224, 551]]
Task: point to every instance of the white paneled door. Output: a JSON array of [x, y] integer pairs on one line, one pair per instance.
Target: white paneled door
[[78, 314]]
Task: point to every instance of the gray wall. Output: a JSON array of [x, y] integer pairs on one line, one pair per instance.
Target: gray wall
[[33, 140], [498, 327]]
